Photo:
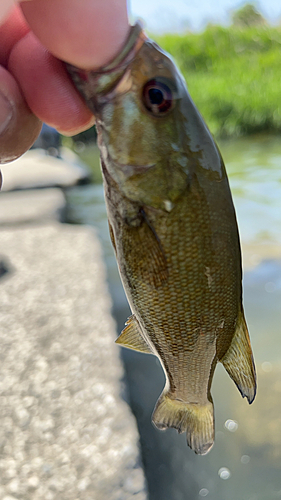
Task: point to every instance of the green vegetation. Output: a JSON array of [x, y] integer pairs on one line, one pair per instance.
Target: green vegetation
[[233, 76], [248, 15]]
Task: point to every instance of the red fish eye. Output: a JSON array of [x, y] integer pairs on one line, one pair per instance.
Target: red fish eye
[[157, 97]]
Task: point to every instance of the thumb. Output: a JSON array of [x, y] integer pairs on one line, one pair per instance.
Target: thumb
[[18, 126]]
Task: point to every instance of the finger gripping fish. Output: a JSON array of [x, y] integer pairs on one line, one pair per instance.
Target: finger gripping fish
[[174, 231]]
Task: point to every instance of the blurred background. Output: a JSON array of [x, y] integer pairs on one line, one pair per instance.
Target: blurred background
[[230, 55]]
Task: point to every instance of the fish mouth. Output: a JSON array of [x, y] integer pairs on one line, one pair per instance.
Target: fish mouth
[[127, 169]]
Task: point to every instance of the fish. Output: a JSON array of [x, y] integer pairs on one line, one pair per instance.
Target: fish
[[173, 227]]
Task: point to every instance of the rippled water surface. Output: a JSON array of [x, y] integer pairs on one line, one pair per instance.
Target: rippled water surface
[[245, 462]]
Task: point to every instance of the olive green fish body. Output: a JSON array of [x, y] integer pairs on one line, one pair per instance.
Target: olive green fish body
[[173, 227], [182, 276]]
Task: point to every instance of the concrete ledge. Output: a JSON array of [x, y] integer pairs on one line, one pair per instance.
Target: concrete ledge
[[65, 431], [34, 205], [36, 169]]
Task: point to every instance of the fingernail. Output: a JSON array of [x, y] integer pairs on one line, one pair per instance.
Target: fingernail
[[6, 113]]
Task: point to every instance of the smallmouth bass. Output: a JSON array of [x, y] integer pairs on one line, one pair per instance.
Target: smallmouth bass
[[173, 227]]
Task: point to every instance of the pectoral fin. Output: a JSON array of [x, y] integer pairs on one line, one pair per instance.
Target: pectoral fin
[[132, 338], [238, 361], [144, 254]]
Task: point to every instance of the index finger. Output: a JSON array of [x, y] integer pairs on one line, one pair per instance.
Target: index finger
[[85, 33], [13, 28]]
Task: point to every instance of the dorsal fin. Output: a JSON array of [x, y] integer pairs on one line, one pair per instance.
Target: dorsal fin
[[131, 337], [238, 361]]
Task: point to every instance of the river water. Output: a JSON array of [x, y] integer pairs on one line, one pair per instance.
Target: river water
[[245, 462]]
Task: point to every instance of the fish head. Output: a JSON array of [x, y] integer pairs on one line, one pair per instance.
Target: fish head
[[151, 137]]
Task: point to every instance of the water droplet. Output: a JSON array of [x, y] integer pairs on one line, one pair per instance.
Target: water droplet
[[270, 287], [203, 492], [255, 259], [266, 366], [231, 425], [245, 459], [224, 473]]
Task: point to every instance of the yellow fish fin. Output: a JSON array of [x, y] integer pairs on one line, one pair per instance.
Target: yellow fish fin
[[239, 363], [147, 260], [195, 419], [155, 266], [132, 338]]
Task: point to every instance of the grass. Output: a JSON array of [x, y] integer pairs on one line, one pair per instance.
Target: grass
[[233, 76]]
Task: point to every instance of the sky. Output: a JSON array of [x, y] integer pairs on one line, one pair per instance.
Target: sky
[[178, 15]]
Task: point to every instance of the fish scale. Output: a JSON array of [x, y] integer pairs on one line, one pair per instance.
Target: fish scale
[[173, 227]]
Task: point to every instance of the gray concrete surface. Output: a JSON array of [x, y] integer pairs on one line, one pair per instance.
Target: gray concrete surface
[[36, 169], [66, 431], [32, 205]]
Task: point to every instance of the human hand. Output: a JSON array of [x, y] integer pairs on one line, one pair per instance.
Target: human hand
[[34, 86]]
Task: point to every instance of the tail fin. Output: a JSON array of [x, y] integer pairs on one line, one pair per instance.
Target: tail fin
[[194, 419]]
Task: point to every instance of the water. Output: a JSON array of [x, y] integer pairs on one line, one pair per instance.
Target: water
[[245, 462]]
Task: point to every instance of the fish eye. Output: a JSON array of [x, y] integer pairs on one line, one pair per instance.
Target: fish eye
[[157, 97]]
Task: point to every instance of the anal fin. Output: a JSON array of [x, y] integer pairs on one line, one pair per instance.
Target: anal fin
[[239, 363], [131, 337]]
